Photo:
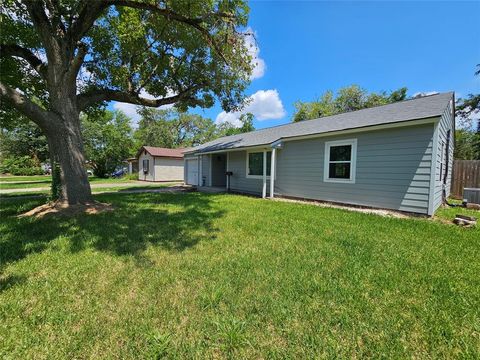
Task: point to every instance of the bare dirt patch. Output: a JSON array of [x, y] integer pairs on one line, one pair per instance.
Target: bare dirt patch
[[64, 209], [366, 210]]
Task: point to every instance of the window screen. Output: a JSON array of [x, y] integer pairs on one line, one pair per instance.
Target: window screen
[[255, 163], [339, 166]]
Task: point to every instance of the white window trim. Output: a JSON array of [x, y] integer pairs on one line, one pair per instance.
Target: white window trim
[[353, 161], [247, 160]]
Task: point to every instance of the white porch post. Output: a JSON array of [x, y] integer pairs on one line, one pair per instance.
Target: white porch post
[[264, 189], [227, 169], [272, 173]]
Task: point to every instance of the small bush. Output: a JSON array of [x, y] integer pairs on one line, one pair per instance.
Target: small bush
[[22, 165], [133, 176]]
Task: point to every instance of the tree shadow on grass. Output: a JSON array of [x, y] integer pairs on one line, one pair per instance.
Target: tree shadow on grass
[[173, 222], [9, 281]]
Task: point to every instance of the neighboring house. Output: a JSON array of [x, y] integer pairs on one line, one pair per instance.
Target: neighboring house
[[160, 164], [397, 156], [132, 165]]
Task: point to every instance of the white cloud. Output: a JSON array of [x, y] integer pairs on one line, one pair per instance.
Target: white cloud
[[131, 109], [264, 105], [424, 93], [254, 51]]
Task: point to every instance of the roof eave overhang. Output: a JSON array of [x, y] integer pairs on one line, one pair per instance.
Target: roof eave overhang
[[279, 142]]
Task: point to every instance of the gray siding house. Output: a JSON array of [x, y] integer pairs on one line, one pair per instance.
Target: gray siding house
[[396, 156]]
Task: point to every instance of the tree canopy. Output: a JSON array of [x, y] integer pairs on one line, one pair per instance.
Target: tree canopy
[[227, 129], [347, 99], [25, 139], [171, 128], [108, 139], [467, 136], [63, 57]]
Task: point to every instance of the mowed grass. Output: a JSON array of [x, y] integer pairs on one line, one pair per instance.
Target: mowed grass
[[23, 182], [215, 276], [98, 189], [11, 178]]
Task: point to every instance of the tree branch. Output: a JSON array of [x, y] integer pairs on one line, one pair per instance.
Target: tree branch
[[77, 62], [15, 50], [42, 25], [169, 14], [90, 11], [95, 96], [24, 105]]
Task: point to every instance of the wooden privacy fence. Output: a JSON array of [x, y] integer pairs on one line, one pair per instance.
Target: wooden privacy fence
[[466, 173]]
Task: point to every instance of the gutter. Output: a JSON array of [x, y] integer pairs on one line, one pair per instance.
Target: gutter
[[402, 123]]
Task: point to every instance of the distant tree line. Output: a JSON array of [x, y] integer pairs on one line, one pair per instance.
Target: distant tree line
[[347, 99], [351, 98], [109, 138], [467, 134]]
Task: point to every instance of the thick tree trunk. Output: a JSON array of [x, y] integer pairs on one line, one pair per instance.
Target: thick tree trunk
[[68, 150], [66, 145]]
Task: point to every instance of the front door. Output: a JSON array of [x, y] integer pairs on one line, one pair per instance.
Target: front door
[[219, 167]]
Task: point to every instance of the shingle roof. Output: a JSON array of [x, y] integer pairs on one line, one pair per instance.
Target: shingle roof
[[162, 152], [413, 109]]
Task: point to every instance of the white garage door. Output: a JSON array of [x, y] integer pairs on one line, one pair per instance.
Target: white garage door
[[192, 172]]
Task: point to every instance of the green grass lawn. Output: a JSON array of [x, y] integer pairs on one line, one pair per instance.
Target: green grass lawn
[[40, 178], [210, 276], [23, 182], [101, 189]]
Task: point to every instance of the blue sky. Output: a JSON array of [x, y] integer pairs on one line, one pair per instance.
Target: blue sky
[[306, 48]]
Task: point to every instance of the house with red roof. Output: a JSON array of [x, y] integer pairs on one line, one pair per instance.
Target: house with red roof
[[160, 164]]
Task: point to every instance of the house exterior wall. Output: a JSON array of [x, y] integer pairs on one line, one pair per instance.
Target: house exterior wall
[[150, 176], [238, 181], [205, 166], [393, 169], [160, 168], [168, 169], [447, 122]]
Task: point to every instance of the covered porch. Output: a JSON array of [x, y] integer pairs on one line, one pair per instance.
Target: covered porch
[[249, 171]]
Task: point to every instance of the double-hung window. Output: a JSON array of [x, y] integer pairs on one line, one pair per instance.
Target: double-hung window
[[255, 164], [340, 161]]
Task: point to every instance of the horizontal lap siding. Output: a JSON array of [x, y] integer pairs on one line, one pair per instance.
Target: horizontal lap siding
[[238, 180], [205, 181], [392, 170], [446, 123]]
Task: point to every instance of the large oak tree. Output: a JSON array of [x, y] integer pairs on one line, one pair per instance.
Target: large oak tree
[[62, 57]]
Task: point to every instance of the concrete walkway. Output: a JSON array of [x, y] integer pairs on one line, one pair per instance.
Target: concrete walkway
[[93, 186], [169, 189]]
